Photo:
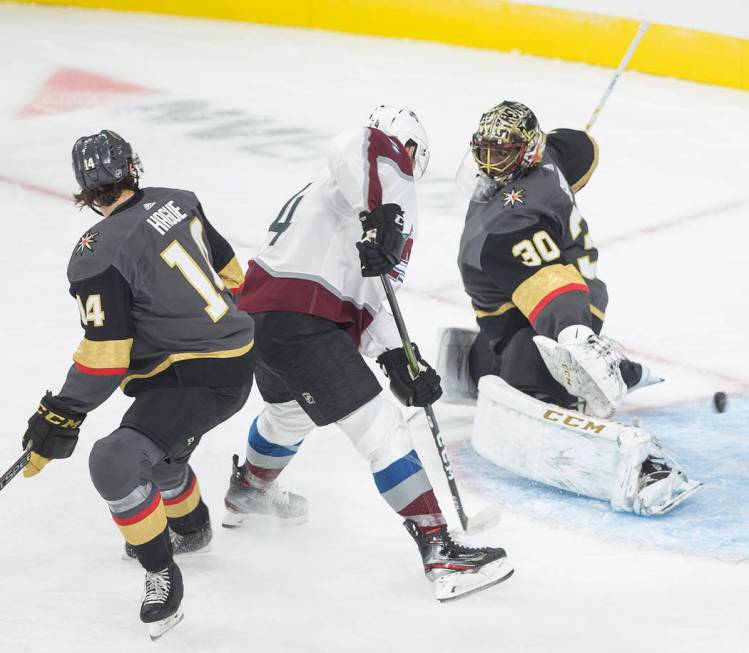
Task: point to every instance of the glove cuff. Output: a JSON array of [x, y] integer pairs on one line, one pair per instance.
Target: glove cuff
[[574, 333]]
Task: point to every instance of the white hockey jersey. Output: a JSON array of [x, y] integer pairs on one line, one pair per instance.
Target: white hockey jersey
[[309, 262]]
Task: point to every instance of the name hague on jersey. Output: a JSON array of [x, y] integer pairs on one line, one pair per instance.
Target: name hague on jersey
[[166, 217]]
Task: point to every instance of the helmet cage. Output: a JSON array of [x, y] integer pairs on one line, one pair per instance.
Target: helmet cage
[[508, 141], [498, 160]]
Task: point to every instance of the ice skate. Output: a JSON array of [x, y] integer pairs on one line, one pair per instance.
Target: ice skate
[[197, 542], [457, 570], [161, 605], [662, 488], [244, 502]]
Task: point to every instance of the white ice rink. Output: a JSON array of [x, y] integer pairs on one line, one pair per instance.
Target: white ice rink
[[240, 114]]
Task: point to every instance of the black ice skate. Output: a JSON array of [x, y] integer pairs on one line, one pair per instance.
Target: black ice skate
[[161, 606], [244, 502], [457, 570], [197, 542]]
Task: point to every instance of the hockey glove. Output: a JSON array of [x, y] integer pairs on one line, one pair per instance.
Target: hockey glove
[[53, 433], [421, 391], [381, 247]]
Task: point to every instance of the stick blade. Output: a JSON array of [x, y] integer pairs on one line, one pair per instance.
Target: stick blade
[[488, 518]]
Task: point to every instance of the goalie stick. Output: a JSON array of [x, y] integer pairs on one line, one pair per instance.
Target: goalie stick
[[644, 25], [16, 467], [490, 515]]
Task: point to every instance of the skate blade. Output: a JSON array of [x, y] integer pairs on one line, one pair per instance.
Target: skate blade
[[158, 629], [696, 486], [457, 586], [242, 520]]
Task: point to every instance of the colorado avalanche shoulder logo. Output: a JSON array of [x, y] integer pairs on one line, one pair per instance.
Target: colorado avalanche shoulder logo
[[515, 196], [87, 242]]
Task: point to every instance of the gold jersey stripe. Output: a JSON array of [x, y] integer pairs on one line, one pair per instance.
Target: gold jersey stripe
[[594, 164], [104, 354], [548, 279], [186, 505], [186, 356], [598, 313], [507, 306], [146, 529], [231, 274]]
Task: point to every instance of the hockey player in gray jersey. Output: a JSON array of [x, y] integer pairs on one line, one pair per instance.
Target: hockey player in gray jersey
[[153, 281], [529, 266]]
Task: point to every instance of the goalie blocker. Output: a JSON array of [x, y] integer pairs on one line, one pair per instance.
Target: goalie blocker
[[567, 449]]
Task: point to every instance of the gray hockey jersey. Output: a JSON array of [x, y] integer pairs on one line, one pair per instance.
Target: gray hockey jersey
[[526, 256], [154, 284]]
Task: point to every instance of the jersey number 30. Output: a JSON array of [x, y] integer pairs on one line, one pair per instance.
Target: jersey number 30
[[533, 251], [176, 255]]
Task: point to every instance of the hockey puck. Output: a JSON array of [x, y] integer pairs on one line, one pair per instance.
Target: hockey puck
[[719, 402]]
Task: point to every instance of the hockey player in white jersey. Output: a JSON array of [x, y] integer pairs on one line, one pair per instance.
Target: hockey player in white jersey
[[318, 305]]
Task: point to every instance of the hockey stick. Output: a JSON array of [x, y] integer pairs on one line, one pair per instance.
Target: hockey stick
[[16, 467], [644, 25], [490, 515]]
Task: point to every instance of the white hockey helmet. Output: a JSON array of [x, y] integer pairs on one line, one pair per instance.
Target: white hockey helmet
[[403, 124]]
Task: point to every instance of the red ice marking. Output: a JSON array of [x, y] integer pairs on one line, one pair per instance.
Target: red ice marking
[[70, 89], [34, 188]]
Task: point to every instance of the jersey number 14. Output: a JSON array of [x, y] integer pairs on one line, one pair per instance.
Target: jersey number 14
[[177, 256]]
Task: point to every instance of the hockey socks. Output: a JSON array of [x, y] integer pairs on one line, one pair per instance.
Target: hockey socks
[[185, 511], [265, 459], [142, 520], [406, 487]]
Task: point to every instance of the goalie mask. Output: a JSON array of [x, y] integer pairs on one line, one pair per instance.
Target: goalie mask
[[102, 159], [404, 125], [508, 142]]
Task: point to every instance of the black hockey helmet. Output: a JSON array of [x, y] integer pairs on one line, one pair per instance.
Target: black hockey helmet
[[102, 159]]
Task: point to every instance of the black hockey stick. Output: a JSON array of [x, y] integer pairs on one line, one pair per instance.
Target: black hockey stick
[[490, 515], [16, 467]]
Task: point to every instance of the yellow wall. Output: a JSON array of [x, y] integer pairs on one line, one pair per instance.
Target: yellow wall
[[494, 24]]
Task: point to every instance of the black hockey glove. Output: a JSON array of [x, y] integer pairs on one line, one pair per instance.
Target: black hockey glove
[[53, 432], [420, 391], [381, 247]]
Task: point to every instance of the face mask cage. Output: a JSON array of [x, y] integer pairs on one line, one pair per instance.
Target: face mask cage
[[497, 160]]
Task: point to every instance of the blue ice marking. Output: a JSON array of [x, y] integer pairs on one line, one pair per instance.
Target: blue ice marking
[[711, 447]]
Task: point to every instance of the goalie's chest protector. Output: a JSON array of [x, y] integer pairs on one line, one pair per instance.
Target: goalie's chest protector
[[526, 245]]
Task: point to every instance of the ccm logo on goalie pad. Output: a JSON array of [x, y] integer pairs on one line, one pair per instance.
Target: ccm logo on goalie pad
[[573, 421]]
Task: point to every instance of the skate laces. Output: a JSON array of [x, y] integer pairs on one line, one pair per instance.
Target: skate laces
[[449, 544], [158, 584]]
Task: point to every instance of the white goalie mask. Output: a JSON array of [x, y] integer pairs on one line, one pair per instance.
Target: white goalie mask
[[404, 125]]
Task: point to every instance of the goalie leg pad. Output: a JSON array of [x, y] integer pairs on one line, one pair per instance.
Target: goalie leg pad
[[453, 356], [566, 449]]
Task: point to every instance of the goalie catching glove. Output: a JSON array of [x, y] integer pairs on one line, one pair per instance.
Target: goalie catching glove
[[422, 390], [381, 247], [53, 433]]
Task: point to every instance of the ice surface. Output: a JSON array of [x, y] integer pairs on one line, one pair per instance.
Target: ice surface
[[240, 114]]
